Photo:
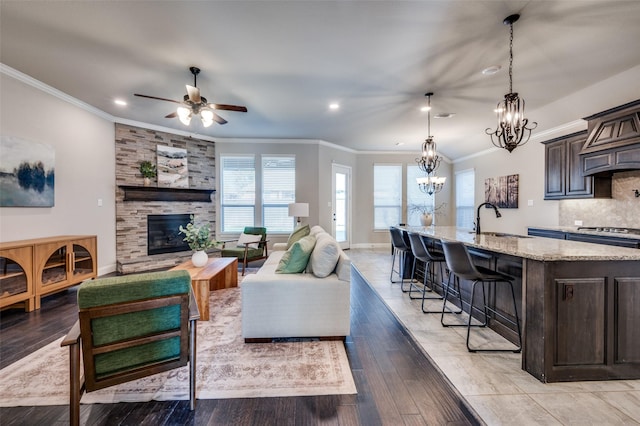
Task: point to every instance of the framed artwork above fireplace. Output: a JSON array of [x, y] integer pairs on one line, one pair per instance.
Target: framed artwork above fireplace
[[173, 170]]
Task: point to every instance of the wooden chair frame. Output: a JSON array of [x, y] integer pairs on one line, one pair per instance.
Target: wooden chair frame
[[262, 244], [77, 338]]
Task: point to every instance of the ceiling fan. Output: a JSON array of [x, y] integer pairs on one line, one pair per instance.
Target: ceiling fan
[[194, 104]]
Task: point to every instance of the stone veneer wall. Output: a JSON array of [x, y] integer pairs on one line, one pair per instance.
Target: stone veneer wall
[[133, 145], [622, 210]]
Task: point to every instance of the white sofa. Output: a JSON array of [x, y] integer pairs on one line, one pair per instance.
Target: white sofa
[[296, 305]]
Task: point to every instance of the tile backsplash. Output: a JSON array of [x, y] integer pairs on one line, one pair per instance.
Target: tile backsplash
[[622, 210]]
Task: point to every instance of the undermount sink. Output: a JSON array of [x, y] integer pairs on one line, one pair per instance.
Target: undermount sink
[[502, 234]]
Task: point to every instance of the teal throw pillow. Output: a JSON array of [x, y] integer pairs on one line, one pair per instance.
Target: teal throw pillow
[[295, 259], [299, 232]]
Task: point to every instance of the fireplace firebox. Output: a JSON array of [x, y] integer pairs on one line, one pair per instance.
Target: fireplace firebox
[[163, 233]]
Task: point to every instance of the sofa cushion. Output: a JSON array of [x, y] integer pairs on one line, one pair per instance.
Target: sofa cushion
[[299, 232], [316, 229], [249, 238], [325, 255], [295, 260]]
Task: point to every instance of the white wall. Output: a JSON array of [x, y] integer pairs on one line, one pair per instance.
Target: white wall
[[84, 169]]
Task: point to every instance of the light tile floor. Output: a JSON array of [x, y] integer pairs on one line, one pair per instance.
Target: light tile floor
[[494, 383]]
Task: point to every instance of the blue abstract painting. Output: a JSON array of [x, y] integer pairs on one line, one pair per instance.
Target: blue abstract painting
[[27, 173]]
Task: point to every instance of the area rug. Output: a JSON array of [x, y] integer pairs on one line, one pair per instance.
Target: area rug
[[226, 368]]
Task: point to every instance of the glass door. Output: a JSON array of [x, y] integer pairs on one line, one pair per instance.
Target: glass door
[[341, 204]]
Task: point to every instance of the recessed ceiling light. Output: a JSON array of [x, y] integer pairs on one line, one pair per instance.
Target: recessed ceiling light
[[491, 70], [120, 102], [444, 115], [425, 108], [334, 105]]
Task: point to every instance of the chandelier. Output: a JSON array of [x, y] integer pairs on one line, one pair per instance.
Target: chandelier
[[513, 129], [431, 184], [430, 160]]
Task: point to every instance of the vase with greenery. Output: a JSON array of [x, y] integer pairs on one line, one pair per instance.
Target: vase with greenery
[[199, 240], [427, 212], [148, 171]]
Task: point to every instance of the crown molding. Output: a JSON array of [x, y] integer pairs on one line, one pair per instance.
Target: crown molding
[[37, 84]]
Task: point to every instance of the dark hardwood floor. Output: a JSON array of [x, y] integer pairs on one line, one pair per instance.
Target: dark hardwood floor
[[396, 382]]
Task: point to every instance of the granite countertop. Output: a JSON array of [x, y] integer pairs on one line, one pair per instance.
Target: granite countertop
[[575, 230], [536, 248]]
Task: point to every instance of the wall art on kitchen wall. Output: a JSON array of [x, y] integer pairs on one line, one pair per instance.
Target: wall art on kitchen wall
[[173, 171], [26, 173], [502, 191]]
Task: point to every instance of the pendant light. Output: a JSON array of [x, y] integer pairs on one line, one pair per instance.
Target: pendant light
[[429, 161], [513, 128], [431, 184]]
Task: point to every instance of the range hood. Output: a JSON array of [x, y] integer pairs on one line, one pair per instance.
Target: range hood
[[613, 141]]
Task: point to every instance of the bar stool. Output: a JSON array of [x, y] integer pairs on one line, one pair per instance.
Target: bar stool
[[461, 265], [401, 249], [428, 257]]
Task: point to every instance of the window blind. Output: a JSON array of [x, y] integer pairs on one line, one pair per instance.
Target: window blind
[[465, 199], [415, 197], [387, 195]]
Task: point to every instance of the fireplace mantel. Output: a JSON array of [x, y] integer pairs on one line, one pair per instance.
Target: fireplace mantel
[[152, 193]]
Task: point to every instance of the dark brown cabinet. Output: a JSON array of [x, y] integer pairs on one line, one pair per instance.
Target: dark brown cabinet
[[563, 171]]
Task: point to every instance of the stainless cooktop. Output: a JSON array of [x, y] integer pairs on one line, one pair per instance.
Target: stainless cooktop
[[612, 230]]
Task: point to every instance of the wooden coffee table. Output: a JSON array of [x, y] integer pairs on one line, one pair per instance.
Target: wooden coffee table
[[218, 273]]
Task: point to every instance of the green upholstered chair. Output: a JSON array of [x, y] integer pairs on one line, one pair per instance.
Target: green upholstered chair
[[244, 252], [129, 327]]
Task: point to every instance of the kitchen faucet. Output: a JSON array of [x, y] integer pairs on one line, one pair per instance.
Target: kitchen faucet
[[478, 215]]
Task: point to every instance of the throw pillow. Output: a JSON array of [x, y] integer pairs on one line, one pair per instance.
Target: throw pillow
[[325, 256], [249, 238], [295, 260], [299, 232], [316, 229]]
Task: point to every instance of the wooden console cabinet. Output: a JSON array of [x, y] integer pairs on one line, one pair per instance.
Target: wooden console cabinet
[[30, 269]]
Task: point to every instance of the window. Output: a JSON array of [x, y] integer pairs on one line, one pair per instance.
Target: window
[[265, 191], [387, 195], [278, 190], [238, 198], [415, 197], [465, 190]]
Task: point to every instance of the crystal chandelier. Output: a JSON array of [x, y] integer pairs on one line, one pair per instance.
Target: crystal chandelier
[[430, 160], [431, 184], [513, 129]]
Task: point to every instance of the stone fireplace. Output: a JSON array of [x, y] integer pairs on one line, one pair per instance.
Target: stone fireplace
[[133, 208]]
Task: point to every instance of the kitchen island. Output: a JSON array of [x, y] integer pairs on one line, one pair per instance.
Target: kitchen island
[[579, 302]]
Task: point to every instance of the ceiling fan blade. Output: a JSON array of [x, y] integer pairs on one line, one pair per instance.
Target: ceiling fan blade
[[172, 115], [228, 107], [157, 98], [194, 94], [219, 119]]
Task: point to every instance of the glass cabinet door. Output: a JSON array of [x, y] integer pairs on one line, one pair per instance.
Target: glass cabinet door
[[55, 268], [82, 260], [13, 278]]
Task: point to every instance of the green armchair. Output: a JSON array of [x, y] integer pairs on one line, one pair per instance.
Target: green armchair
[[129, 327], [244, 251]]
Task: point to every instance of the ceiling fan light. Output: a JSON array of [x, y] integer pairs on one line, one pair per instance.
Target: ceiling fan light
[[184, 114], [206, 115]]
